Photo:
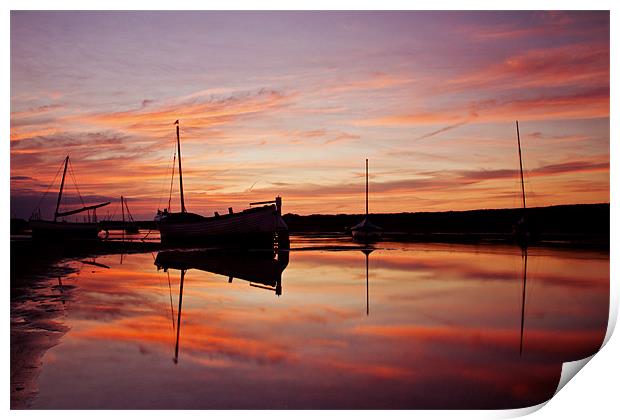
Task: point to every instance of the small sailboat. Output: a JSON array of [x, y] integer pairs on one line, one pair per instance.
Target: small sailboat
[[521, 230], [63, 230], [129, 225], [257, 226], [366, 230]]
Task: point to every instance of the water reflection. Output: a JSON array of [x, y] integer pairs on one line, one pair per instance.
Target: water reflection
[[367, 252], [263, 269], [444, 330], [524, 257]]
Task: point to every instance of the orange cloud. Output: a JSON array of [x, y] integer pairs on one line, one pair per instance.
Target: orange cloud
[[583, 105], [195, 114], [571, 65]]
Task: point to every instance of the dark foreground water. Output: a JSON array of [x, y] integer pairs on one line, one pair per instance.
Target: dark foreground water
[[403, 326]]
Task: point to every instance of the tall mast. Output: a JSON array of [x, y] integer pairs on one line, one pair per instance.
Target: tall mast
[[180, 170], [366, 187], [62, 185], [122, 209], [521, 165]]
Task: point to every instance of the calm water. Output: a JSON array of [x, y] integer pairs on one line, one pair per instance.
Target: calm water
[[432, 326]]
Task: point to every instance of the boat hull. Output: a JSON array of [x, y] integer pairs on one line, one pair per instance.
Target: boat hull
[[364, 235], [366, 231], [63, 231], [261, 226]]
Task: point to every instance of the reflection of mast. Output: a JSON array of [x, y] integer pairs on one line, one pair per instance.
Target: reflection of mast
[[176, 345], [367, 252], [524, 257]]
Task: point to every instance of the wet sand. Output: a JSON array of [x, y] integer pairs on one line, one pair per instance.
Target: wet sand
[[37, 309], [38, 304]]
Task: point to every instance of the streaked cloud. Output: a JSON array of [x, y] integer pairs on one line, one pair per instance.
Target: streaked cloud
[[295, 110]]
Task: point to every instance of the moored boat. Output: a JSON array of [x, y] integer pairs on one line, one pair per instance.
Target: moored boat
[[521, 229], [129, 225], [61, 230], [255, 227], [366, 231]]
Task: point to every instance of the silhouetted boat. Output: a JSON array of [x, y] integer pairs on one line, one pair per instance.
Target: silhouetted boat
[[521, 229], [260, 226], [129, 225], [366, 230], [63, 230]]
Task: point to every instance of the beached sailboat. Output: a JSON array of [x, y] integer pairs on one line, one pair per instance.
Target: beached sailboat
[[63, 230], [258, 226], [366, 230]]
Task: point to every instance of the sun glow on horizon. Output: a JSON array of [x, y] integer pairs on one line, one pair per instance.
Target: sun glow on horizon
[[429, 97]]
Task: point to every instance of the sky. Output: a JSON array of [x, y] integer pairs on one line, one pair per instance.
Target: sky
[[291, 104]]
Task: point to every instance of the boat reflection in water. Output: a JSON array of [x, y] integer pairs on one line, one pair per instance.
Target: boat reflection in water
[[263, 269], [367, 252]]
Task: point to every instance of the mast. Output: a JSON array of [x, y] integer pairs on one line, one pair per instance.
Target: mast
[[521, 165], [366, 187], [62, 185], [122, 209], [180, 170]]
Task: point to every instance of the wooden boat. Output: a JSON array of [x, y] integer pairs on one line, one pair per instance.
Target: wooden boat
[[366, 231], [255, 227], [63, 230]]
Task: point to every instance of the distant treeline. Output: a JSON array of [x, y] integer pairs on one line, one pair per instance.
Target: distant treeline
[[574, 220]]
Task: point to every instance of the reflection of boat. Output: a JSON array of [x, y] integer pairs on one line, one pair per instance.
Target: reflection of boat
[[260, 225], [367, 252], [259, 268], [524, 257], [365, 230], [63, 230], [262, 269]]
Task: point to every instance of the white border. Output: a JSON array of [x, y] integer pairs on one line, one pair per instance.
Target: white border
[[592, 394]]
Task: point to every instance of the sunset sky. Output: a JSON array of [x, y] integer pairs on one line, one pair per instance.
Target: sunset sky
[[290, 104]]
